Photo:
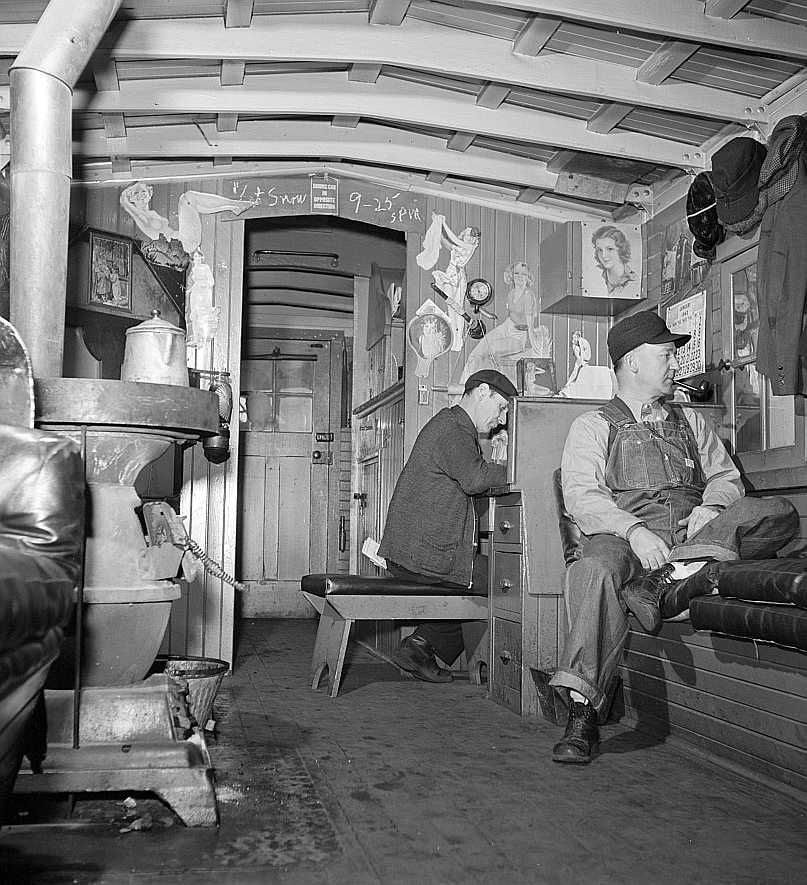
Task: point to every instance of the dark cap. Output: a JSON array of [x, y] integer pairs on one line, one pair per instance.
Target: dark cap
[[494, 380], [645, 327], [702, 216], [735, 178]]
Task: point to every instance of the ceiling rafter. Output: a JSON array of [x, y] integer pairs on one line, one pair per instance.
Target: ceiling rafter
[[534, 36], [665, 61], [307, 96], [491, 95], [279, 139], [388, 12], [105, 77], [681, 21], [238, 13], [348, 39], [232, 72]]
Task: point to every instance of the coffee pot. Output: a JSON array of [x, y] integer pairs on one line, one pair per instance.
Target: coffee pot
[[155, 353]]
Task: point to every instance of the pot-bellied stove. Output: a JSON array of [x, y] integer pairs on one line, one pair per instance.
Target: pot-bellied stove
[[131, 732]]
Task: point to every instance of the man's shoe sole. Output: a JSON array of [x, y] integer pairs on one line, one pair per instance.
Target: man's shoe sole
[[411, 668]]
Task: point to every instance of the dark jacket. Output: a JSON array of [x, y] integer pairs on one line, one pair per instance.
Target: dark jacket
[[782, 287], [431, 521]]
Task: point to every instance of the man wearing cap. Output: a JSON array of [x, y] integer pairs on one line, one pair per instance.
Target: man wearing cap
[[659, 504], [430, 534]]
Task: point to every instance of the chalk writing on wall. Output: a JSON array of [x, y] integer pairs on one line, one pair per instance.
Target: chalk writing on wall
[[328, 195]]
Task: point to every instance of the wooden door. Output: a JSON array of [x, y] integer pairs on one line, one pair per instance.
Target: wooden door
[[286, 455]]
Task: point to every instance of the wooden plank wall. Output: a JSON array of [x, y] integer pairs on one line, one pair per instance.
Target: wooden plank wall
[[202, 620], [738, 700], [505, 238]]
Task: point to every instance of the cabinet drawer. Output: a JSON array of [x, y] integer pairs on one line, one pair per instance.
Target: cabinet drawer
[[505, 686], [506, 589], [507, 524]]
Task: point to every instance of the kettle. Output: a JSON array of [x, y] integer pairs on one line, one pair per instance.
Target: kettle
[[155, 352]]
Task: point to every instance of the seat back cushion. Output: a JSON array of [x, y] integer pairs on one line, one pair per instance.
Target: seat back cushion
[[765, 580], [570, 536], [43, 502]]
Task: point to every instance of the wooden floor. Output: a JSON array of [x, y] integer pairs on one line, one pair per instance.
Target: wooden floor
[[397, 781]]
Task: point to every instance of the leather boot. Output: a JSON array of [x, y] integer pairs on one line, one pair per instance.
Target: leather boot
[[581, 739], [416, 655], [643, 595], [676, 597]]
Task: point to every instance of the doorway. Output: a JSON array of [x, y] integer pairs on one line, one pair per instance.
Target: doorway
[[301, 278]]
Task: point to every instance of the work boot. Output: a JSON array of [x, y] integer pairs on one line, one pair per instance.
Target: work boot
[[581, 740], [416, 655], [642, 596], [676, 597]]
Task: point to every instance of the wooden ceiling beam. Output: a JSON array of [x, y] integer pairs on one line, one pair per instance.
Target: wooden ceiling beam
[[226, 122], [608, 117], [394, 100], [665, 61], [238, 13], [436, 177], [724, 8], [535, 34], [346, 122], [530, 195], [347, 39], [281, 139], [388, 12], [491, 95], [232, 72], [460, 141], [362, 73], [680, 21]]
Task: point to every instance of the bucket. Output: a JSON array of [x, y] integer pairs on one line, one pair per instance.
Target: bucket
[[203, 677]]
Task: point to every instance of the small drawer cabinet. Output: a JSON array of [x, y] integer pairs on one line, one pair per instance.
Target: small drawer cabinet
[[506, 559], [527, 614]]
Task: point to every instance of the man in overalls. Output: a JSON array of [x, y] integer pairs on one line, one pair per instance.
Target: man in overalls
[[657, 499]]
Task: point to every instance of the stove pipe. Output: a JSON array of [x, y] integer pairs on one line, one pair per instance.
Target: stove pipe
[[41, 86]]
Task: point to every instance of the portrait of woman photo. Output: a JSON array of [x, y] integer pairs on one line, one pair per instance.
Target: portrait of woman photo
[[613, 258]]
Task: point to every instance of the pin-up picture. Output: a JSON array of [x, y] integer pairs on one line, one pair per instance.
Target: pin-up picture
[[612, 260], [110, 277]]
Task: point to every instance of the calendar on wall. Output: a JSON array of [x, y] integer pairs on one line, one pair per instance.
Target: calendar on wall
[[689, 316]]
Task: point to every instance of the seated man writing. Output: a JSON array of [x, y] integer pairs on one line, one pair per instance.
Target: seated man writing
[[657, 499], [430, 535]]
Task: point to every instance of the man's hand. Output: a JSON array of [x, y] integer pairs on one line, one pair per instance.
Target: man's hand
[[651, 550], [698, 518], [499, 451]]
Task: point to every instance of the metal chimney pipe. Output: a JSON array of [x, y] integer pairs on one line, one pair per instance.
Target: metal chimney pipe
[[41, 85]]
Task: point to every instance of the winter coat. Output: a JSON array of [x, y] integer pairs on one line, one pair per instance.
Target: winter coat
[[431, 521]]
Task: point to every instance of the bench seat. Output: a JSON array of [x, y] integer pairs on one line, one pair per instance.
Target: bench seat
[[342, 599]]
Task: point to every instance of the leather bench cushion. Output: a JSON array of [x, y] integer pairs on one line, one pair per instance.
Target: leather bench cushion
[[765, 580], [42, 504], [35, 595], [370, 585], [782, 624], [17, 665]]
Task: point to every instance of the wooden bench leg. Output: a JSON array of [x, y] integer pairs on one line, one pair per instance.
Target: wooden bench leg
[[330, 648], [475, 637]]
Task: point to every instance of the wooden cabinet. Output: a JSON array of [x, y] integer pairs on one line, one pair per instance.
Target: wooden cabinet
[[570, 278], [527, 615]]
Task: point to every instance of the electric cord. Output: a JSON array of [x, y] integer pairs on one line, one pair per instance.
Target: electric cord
[[210, 564]]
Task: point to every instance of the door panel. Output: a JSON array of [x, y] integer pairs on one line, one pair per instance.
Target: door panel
[[284, 472]]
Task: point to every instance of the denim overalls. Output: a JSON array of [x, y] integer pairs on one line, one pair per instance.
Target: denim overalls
[[653, 470]]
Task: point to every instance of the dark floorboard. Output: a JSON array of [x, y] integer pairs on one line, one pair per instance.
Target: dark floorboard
[[397, 781]]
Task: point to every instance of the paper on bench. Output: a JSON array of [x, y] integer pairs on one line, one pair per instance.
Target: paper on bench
[[370, 550]]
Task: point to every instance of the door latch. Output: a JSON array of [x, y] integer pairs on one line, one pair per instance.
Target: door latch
[[320, 457]]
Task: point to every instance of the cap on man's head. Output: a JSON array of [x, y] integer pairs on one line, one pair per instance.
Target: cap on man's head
[[645, 327], [494, 380], [735, 178]]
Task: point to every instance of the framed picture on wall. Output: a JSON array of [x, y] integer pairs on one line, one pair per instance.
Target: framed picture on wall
[[110, 276]]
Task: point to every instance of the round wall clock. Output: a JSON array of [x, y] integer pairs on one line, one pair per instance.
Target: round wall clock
[[479, 292]]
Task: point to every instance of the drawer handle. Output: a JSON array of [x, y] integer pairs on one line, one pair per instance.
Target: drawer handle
[[505, 526], [505, 657], [505, 585]]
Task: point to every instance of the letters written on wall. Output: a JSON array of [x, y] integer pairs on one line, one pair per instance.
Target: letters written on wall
[[329, 195]]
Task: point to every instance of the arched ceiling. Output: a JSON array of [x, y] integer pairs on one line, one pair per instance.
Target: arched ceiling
[[554, 107]]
